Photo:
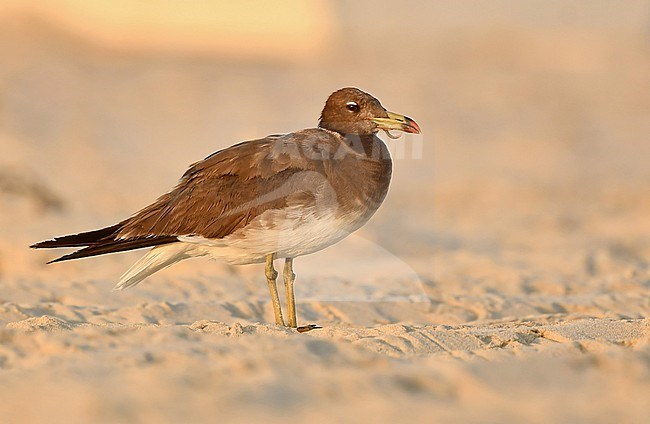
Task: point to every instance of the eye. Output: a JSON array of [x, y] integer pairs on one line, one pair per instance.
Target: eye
[[352, 106]]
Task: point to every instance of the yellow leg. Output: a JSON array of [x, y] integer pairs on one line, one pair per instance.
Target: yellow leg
[[271, 275], [289, 278]]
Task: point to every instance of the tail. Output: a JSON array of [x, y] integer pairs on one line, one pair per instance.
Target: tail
[[99, 242], [156, 259]]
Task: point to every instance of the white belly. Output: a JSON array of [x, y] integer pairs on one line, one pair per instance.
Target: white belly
[[287, 234]]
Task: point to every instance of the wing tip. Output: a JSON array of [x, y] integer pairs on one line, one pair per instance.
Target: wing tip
[[86, 238], [63, 258], [41, 244]]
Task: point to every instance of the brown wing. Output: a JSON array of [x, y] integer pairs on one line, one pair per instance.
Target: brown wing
[[228, 189]]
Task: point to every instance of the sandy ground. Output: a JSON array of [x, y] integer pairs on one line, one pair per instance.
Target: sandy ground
[[505, 279]]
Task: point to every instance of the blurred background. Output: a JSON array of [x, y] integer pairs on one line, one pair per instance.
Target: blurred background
[[530, 180], [505, 263]]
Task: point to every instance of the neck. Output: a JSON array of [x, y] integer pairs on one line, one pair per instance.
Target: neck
[[368, 145]]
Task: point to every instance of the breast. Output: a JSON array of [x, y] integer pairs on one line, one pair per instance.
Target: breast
[[362, 178]]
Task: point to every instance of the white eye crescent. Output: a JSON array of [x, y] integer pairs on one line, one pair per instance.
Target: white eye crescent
[[352, 106]]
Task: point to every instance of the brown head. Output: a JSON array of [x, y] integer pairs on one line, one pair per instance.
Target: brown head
[[352, 111]]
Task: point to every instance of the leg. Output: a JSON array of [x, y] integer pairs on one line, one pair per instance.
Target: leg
[[271, 275], [289, 278]]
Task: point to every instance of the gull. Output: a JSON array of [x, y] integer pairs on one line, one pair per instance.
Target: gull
[[277, 197]]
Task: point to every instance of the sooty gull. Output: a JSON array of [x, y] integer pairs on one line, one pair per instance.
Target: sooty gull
[[281, 196]]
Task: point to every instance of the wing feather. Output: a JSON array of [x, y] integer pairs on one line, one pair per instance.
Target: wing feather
[[229, 188]]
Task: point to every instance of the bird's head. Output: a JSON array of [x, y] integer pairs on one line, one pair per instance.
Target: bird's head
[[352, 111]]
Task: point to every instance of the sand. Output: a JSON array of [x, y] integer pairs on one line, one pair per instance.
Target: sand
[[505, 279], [547, 369]]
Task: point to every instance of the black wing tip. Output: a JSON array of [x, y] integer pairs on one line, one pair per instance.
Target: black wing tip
[[77, 254], [43, 244], [79, 240], [73, 255], [55, 260], [115, 246], [53, 243]]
